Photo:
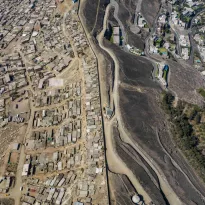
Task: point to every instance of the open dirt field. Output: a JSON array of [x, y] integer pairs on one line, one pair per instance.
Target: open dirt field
[[184, 81], [94, 11], [6, 202], [19, 107], [149, 9], [122, 189], [147, 178], [142, 116], [14, 157]]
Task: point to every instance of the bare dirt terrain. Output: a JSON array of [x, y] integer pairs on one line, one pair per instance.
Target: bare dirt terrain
[[149, 9], [185, 80], [121, 189], [139, 98], [94, 12], [142, 116], [144, 173]]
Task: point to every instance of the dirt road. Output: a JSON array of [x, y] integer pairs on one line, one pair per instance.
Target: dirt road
[[16, 192], [170, 194]]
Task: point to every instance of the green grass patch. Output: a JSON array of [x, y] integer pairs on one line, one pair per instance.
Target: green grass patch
[[146, 26], [184, 130], [162, 50], [165, 74], [157, 73], [201, 91], [111, 39]]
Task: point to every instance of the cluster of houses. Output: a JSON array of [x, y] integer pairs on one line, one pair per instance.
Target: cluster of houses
[[64, 159], [94, 133], [52, 190], [171, 28], [93, 113], [183, 12], [12, 79], [12, 73], [49, 117], [48, 162], [76, 33], [184, 43], [11, 20], [54, 96], [64, 135], [43, 46], [199, 39], [7, 181], [24, 18], [94, 136], [180, 18], [41, 73], [162, 41]]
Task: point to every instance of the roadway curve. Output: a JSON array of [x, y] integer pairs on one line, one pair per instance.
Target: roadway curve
[[125, 134], [115, 163], [168, 191]]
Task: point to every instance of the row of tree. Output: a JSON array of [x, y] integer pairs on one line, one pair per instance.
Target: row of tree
[[183, 132]]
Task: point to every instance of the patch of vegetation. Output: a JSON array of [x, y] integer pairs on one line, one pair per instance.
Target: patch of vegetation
[[157, 72], [165, 74], [188, 130], [185, 19], [201, 91], [162, 50], [111, 39], [146, 26]]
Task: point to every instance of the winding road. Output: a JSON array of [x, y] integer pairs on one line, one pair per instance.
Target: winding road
[[115, 163], [170, 194]]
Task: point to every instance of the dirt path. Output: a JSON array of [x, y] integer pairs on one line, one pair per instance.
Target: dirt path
[[96, 19], [115, 163], [16, 192], [170, 194]]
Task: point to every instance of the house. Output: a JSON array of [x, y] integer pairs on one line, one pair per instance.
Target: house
[[108, 112], [25, 170], [185, 53], [116, 35], [78, 203]]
